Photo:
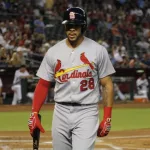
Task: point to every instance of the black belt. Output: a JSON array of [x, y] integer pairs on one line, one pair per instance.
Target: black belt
[[74, 104]]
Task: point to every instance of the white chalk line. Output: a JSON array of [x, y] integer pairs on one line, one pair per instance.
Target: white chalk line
[[126, 137], [97, 141], [111, 137], [49, 149], [94, 149], [12, 141], [107, 144], [50, 142]]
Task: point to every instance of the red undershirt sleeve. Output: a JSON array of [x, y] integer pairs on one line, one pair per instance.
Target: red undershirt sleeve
[[40, 94], [107, 112]]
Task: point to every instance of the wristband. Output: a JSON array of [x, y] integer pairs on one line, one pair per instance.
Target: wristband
[[107, 112]]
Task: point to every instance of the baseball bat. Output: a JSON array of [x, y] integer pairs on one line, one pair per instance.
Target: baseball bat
[[36, 136]]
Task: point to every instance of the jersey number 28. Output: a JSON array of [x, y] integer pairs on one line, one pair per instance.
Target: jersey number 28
[[85, 85]]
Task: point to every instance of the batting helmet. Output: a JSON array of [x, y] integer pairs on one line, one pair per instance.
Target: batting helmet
[[75, 16]]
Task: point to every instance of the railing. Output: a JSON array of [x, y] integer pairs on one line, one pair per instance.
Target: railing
[[125, 77]]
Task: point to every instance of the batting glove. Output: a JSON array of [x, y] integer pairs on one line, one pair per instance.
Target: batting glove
[[104, 127], [34, 122]]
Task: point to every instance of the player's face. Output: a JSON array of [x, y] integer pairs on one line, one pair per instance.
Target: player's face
[[73, 32], [22, 69], [144, 76]]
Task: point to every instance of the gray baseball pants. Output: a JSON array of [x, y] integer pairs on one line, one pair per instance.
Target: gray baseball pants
[[74, 127]]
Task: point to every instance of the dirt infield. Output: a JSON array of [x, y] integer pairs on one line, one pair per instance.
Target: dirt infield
[[116, 140]]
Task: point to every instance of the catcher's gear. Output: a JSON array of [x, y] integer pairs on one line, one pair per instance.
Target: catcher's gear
[[34, 122], [104, 127], [75, 16]]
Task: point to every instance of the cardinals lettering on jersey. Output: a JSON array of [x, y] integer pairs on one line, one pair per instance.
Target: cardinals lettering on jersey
[[63, 74]]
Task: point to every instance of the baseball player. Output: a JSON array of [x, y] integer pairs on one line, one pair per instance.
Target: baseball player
[[20, 73], [1, 86], [79, 66], [142, 85]]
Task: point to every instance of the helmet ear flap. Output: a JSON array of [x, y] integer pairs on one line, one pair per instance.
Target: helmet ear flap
[[83, 29]]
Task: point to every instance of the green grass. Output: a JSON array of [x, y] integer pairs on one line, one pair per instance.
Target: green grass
[[18, 121], [122, 119], [128, 119]]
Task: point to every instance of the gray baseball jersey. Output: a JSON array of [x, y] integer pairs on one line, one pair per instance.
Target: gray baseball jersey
[[76, 71]]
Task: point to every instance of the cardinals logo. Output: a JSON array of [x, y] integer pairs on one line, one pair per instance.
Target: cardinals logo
[[58, 68], [72, 15], [85, 60]]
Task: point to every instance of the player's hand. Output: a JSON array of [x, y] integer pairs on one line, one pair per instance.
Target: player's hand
[[34, 122], [104, 127]]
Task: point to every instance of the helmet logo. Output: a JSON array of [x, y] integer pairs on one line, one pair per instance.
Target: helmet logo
[[72, 15]]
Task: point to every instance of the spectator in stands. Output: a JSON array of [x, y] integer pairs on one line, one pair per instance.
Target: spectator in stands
[[122, 48], [147, 12], [1, 85], [146, 28], [17, 58], [129, 23], [10, 45], [102, 27], [125, 61], [131, 30], [2, 40], [44, 48], [116, 52], [116, 33], [3, 56], [104, 42], [146, 59], [27, 31], [40, 3], [143, 44], [39, 25], [23, 39], [21, 73], [3, 27], [134, 62], [137, 13], [39, 29]]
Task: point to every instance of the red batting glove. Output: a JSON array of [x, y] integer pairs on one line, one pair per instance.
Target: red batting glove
[[34, 122], [105, 125]]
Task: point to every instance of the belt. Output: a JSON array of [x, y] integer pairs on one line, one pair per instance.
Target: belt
[[74, 104]]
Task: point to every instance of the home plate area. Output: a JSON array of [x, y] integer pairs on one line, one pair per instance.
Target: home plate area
[[116, 140]]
